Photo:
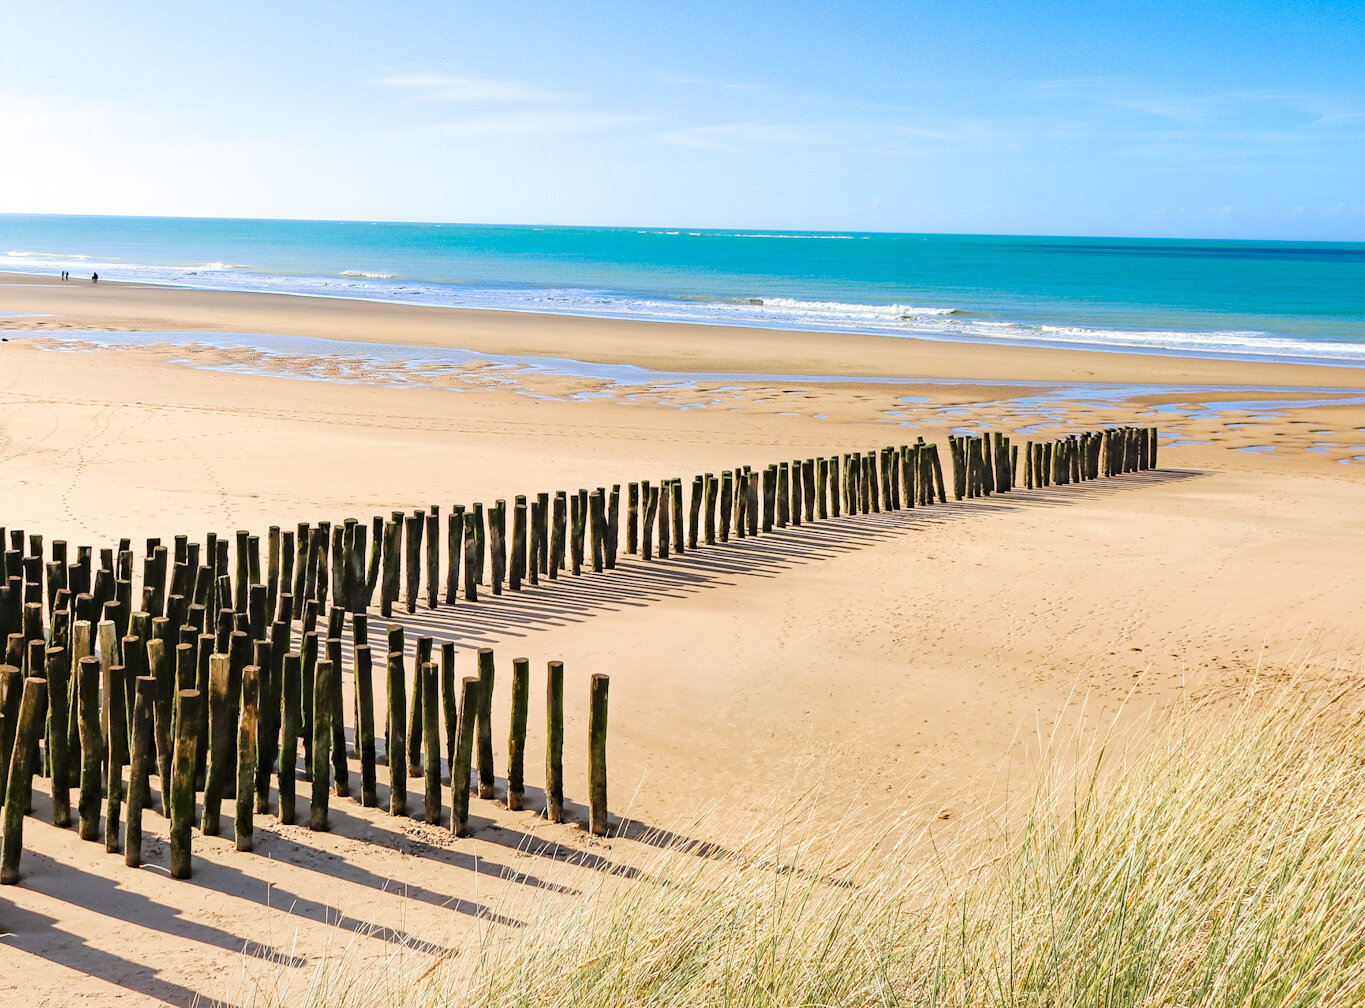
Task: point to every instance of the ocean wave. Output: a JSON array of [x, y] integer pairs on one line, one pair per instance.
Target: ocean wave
[[957, 323]]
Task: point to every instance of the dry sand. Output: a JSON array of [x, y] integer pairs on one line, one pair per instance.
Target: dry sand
[[886, 664]]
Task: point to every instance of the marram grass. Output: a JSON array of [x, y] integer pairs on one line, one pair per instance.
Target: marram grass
[[1219, 862]]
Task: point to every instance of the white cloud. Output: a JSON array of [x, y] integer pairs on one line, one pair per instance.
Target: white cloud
[[521, 124], [739, 135], [442, 87]]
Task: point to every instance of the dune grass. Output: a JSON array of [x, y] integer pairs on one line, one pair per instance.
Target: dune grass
[[1220, 860]]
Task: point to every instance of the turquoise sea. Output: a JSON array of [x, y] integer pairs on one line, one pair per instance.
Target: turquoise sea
[[1264, 299]]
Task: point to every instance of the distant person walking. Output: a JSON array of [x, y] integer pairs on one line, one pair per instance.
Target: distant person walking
[[94, 278]]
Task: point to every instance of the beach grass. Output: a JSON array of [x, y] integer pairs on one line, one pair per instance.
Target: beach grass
[[1212, 858]]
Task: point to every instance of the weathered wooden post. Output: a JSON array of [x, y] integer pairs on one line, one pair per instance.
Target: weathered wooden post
[[92, 743], [431, 749], [752, 508], [470, 703], [633, 518], [554, 560], [517, 570], [19, 786], [497, 544], [291, 690], [58, 733], [485, 732], [597, 756], [613, 535], [364, 691], [413, 524], [471, 559], [677, 500], [665, 489], [597, 517], [516, 740], [651, 513], [247, 729], [322, 743], [937, 468], [727, 504], [139, 789], [769, 498], [189, 715], [783, 495], [220, 743], [450, 700], [454, 549], [554, 742], [694, 512], [396, 729], [538, 548], [577, 518]]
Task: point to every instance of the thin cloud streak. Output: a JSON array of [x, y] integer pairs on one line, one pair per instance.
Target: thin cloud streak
[[443, 87]]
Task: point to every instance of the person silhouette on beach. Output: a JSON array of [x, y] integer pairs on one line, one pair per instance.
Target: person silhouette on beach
[[94, 278]]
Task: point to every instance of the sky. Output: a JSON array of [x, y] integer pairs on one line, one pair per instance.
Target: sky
[[1200, 118]]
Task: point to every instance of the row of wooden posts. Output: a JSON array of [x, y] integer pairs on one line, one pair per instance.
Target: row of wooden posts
[[214, 724], [988, 463], [216, 706]]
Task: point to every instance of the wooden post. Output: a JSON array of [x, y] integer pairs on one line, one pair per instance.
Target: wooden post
[[727, 504], [246, 757], [454, 549], [220, 743], [291, 691], [557, 534], [116, 735], [92, 744], [416, 723], [633, 518], [783, 495], [19, 785], [470, 703], [752, 508], [576, 522], [597, 520], [497, 547], [554, 742], [651, 513], [323, 685], [471, 559], [272, 566], [189, 714], [677, 498], [665, 522], [431, 750], [517, 570], [485, 729], [694, 512], [396, 736], [58, 733], [613, 525], [392, 559], [364, 732], [769, 499], [597, 755], [433, 557], [516, 740], [414, 524], [139, 790]]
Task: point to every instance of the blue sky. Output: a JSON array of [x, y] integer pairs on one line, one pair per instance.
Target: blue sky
[[1217, 119]]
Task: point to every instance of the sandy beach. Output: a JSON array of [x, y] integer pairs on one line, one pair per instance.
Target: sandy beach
[[902, 663]]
